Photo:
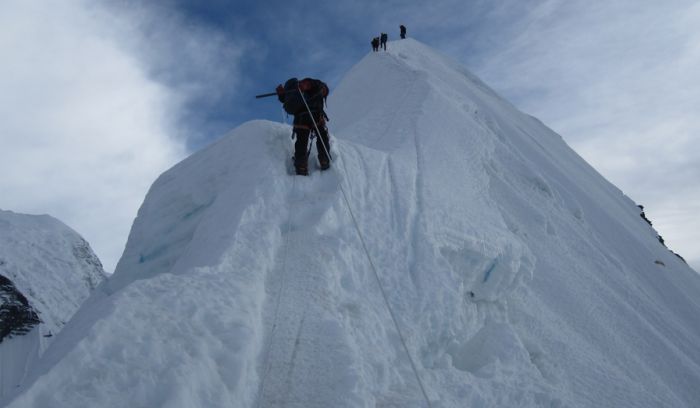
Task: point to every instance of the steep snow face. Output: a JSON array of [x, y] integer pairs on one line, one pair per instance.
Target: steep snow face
[[49, 263], [517, 275], [46, 271]]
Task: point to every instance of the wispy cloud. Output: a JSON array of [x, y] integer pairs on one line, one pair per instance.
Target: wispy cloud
[[198, 63], [91, 106]]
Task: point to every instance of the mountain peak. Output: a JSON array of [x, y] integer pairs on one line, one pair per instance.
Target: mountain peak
[[515, 273]]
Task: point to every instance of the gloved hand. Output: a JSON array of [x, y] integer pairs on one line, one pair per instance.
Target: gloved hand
[[279, 90]]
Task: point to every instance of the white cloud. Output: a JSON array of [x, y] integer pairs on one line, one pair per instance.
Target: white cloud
[[198, 62], [83, 130], [618, 81]]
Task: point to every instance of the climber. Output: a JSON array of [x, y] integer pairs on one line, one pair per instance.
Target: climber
[[292, 96], [375, 44], [403, 31], [384, 37]]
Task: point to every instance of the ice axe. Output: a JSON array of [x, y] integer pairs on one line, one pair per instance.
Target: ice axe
[[265, 95]]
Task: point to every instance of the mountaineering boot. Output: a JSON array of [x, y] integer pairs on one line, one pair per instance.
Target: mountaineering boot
[[301, 166], [324, 162], [302, 170]]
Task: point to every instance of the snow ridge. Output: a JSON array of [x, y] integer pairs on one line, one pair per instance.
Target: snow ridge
[[46, 271], [517, 274]]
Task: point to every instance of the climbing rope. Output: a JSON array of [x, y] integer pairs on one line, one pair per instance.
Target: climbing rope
[[371, 263], [278, 298], [266, 360]]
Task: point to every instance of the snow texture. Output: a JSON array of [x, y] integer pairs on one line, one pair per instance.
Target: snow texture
[[518, 275], [47, 270]]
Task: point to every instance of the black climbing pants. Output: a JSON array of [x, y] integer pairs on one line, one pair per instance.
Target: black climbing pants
[[302, 128]]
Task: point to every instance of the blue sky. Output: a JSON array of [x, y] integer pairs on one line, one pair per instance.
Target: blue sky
[[139, 85], [279, 39]]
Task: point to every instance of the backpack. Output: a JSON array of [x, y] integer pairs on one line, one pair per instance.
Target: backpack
[[293, 104]]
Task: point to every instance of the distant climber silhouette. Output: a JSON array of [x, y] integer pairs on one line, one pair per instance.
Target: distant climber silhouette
[[375, 44], [403, 31], [292, 96], [382, 40]]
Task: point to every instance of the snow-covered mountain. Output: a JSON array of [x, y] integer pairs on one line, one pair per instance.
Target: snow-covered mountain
[[458, 253], [46, 271]]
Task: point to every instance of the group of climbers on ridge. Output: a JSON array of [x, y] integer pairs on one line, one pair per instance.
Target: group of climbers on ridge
[[380, 42], [305, 100]]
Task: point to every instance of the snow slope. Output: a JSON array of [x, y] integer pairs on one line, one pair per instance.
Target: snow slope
[[48, 270], [516, 274]]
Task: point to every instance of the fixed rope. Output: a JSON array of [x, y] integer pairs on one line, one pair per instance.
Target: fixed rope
[[266, 360], [371, 263]]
